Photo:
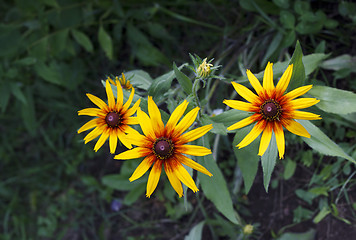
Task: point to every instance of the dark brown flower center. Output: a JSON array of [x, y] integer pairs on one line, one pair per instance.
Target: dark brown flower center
[[270, 110], [163, 148], [113, 119]]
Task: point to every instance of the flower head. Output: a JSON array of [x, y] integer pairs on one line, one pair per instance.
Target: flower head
[[273, 109], [204, 69], [125, 84], [112, 120], [165, 145], [248, 229]]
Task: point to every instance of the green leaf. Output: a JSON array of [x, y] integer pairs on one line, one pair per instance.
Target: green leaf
[[196, 232], [143, 49], [230, 117], [268, 161], [29, 114], [306, 196], [273, 46], [215, 187], [183, 80], [247, 158], [287, 19], [320, 191], [282, 3], [301, 7], [309, 235], [83, 40], [321, 215], [218, 128], [322, 143], [334, 100], [27, 61], [300, 214], [49, 73], [289, 169], [298, 74], [134, 194], [344, 61], [313, 61], [10, 40], [105, 42], [4, 95], [120, 182], [58, 41], [17, 92], [162, 84], [139, 78]]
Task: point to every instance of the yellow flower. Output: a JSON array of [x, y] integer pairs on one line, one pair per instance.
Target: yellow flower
[[273, 109], [204, 69], [165, 145], [248, 229], [112, 120], [125, 84]]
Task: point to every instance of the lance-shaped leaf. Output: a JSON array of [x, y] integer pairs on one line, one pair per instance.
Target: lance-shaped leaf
[[334, 100], [322, 143]]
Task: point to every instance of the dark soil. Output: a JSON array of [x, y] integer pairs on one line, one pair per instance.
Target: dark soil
[[274, 210]]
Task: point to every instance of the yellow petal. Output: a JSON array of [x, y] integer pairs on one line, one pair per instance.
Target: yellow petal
[[145, 123], [255, 132], [298, 92], [284, 81], [101, 140], [132, 121], [129, 100], [183, 175], [303, 102], [93, 134], [155, 116], [242, 123], [97, 101], [153, 178], [186, 121], [94, 112], [265, 139], [142, 168], [133, 153], [113, 141], [190, 163], [295, 127], [254, 82], [278, 130], [305, 115], [173, 179], [194, 134], [91, 124], [123, 139], [137, 139], [268, 79], [111, 99], [134, 108], [175, 116], [193, 150], [245, 92], [120, 97], [240, 105]]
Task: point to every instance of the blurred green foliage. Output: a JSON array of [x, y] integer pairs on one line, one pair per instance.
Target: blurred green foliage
[[54, 51]]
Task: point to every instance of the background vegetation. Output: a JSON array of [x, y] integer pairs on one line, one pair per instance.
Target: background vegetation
[[54, 51]]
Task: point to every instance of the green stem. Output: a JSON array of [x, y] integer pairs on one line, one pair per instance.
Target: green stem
[[195, 94]]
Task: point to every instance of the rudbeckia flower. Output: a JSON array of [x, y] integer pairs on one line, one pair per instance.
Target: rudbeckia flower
[[112, 120], [165, 146], [272, 109], [125, 84], [204, 69]]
